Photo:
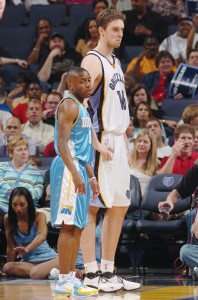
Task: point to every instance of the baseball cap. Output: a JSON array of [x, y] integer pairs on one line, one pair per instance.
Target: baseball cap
[[56, 34], [184, 19]]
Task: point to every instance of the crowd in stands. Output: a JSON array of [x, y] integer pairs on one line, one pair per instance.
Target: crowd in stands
[[157, 145]]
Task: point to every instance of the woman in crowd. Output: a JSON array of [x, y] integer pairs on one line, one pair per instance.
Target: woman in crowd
[[26, 233], [144, 161], [142, 113], [91, 38], [17, 172]]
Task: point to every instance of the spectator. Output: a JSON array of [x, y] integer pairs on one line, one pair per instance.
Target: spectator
[[144, 161], [13, 129], [120, 5], [26, 234], [41, 133], [145, 62], [176, 43], [158, 82], [41, 45], [49, 150], [29, 3], [20, 62], [190, 115], [34, 161], [17, 173], [91, 38], [183, 156], [154, 125], [98, 5], [141, 115], [52, 100], [195, 148], [2, 91], [34, 91], [3, 3], [191, 35], [141, 22], [192, 57], [4, 116], [129, 134], [59, 60]]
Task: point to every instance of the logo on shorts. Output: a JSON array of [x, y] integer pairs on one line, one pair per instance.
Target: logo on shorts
[[67, 210]]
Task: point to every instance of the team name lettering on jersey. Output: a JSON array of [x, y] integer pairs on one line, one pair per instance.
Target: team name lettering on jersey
[[86, 122], [115, 79]]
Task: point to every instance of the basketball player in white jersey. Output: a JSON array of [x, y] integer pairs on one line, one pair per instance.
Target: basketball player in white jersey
[[110, 117]]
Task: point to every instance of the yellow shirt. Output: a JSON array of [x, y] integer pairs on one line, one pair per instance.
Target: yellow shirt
[[21, 100], [147, 65]]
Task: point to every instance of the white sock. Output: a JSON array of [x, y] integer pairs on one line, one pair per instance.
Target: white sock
[[62, 277], [107, 266], [91, 267]]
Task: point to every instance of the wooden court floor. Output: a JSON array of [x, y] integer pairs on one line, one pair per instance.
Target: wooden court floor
[[153, 287]]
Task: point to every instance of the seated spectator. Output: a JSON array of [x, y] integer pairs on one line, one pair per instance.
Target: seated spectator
[[145, 62], [26, 234], [192, 57], [2, 91], [41, 44], [52, 100], [183, 156], [169, 9], [91, 38], [29, 3], [130, 83], [13, 129], [141, 115], [20, 62], [155, 126], [17, 173], [34, 91], [190, 115], [191, 35], [49, 150], [3, 3], [195, 148], [59, 60], [4, 116], [129, 134], [120, 5], [158, 82], [176, 43], [40, 133], [141, 22], [144, 161], [34, 161], [98, 5]]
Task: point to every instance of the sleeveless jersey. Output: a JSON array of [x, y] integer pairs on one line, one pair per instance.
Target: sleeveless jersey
[[108, 105], [80, 142], [41, 253]]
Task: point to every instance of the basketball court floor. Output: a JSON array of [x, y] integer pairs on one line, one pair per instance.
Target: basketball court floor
[[153, 287]]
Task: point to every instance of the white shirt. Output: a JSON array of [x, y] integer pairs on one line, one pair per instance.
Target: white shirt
[[42, 134], [144, 179], [164, 151], [176, 45]]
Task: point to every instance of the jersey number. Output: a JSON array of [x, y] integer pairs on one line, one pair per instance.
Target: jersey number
[[122, 99]]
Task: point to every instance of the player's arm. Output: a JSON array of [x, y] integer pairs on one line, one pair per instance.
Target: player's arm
[[67, 114]]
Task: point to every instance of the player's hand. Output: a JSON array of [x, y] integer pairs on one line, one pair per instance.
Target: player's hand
[[106, 152], [166, 204], [95, 187], [79, 184]]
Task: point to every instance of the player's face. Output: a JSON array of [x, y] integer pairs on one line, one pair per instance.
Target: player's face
[[113, 33], [81, 86], [143, 144]]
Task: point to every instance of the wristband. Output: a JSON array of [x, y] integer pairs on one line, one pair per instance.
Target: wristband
[[92, 178]]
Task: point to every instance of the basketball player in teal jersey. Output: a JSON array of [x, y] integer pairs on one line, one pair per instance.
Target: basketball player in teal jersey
[[69, 183], [110, 117]]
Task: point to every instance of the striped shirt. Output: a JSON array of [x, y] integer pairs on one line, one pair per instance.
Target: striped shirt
[[10, 178]]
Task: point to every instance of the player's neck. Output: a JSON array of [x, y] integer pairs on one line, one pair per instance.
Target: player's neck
[[105, 50]]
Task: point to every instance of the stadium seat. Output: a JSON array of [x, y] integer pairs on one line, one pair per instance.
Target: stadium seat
[[13, 16], [78, 13], [15, 37], [130, 52], [173, 109], [55, 13]]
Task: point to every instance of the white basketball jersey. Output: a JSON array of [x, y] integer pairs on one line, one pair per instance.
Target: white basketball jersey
[[109, 106]]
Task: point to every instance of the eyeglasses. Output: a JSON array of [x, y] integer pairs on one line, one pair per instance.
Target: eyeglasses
[[12, 127]]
